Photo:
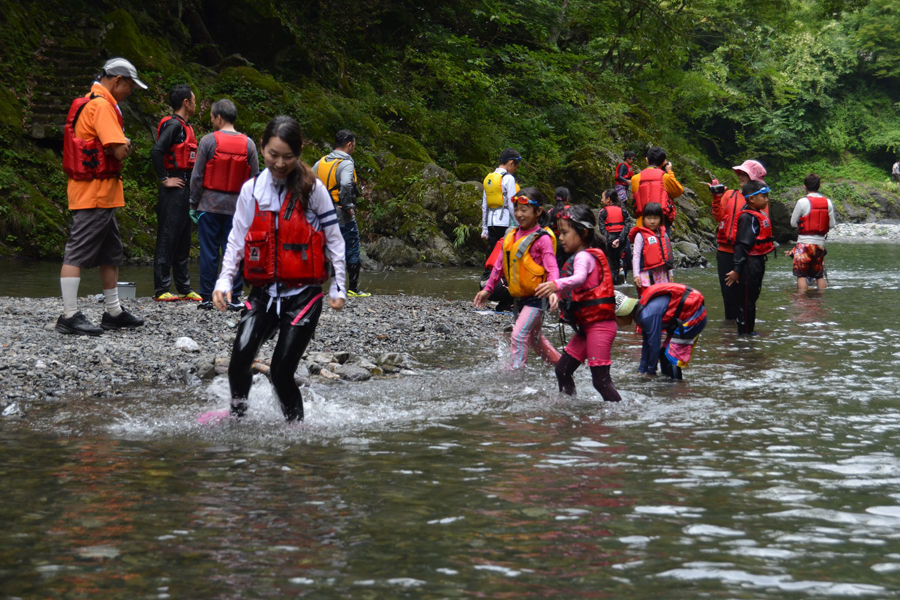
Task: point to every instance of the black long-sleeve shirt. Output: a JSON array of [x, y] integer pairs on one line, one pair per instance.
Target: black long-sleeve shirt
[[747, 232], [621, 173], [623, 235], [171, 133]]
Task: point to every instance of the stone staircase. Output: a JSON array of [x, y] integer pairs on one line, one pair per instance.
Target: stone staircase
[[63, 72]]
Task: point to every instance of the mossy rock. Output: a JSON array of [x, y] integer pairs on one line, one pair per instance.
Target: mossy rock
[[587, 178], [403, 146], [10, 110], [252, 78], [319, 118], [125, 39], [472, 172], [397, 176]]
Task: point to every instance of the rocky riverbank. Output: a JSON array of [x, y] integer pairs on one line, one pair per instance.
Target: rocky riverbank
[[381, 336], [882, 232]]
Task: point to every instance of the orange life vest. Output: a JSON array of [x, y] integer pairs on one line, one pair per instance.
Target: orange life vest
[[588, 305], [657, 250], [615, 219], [651, 189], [284, 248], [764, 242], [180, 157], [684, 302], [228, 169], [817, 221], [86, 159]]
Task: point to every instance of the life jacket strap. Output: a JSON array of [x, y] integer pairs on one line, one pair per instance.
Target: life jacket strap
[[297, 248]]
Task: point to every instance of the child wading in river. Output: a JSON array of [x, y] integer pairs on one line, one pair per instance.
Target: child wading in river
[[651, 250], [614, 224], [527, 260], [678, 310], [586, 300], [754, 241]]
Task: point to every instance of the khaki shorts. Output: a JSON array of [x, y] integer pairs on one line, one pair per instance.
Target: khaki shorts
[[95, 239]]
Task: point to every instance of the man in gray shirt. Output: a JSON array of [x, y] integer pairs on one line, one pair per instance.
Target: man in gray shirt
[[338, 173], [225, 160]]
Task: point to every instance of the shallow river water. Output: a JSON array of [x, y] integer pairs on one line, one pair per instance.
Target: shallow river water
[[772, 471]]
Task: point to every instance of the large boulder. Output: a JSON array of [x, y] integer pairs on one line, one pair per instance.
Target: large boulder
[[393, 252], [588, 174], [404, 146], [472, 172]]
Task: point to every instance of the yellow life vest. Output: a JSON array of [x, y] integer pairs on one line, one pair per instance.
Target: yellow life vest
[[522, 274], [327, 173], [493, 190]]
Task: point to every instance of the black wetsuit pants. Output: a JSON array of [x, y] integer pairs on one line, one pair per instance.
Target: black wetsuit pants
[[295, 327], [748, 288], [725, 263], [173, 240]]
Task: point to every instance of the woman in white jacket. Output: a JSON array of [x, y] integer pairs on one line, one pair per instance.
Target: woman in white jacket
[[287, 306]]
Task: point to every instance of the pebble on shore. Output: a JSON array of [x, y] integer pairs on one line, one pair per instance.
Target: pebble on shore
[[179, 345]]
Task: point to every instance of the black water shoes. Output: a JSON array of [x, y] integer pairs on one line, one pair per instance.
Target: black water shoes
[[124, 320], [77, 324]]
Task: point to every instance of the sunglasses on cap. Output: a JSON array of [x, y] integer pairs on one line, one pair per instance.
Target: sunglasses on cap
[[765, 190], [565, 214], [522, 199]]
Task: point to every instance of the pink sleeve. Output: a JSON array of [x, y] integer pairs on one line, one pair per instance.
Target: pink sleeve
[[542, 253], [636, 254], [495, 274], [583, 265]]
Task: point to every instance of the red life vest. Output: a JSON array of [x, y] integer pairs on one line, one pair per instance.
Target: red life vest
[[492, 259], [651, 189], [588, 305], [629, 173], [817, 221], [228, 169], [86, 159], [684, 302], [180, 157], [727, 232], [284, 248], [657, 250], [764, 242], [615, 219]]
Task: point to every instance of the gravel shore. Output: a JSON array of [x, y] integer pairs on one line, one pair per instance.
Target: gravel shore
[[853, 232], [380, 336]]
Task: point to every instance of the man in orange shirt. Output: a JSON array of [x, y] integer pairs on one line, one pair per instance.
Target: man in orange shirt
[[659, 185], [94, 148]]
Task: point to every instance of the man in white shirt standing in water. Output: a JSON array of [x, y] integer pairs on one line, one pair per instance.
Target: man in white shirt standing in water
[[813, 217], [496, 203], [895, 172]]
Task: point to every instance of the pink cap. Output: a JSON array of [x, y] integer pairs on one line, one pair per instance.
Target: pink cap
[[753, 168]]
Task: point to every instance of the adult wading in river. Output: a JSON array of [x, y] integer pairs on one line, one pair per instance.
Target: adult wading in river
[[94, 146], [726, 206], [174, 154], [338, 172], [225, 160], [283, 221]]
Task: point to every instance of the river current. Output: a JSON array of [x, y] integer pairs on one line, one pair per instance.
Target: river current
[[772, 471]]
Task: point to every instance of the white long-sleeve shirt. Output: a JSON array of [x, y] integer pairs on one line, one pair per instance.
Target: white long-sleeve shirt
[[802, 209], [269, 194], [502, 216]]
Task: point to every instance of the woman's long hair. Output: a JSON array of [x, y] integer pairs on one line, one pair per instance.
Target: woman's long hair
[[301, 180]]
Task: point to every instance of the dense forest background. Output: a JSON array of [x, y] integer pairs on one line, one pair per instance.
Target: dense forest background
[[802, 85]]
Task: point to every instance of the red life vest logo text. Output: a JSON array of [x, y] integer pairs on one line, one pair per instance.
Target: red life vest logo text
[[254, 254], [652, 239]]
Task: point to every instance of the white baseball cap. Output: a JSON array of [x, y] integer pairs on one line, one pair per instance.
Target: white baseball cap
[[123, 68]]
